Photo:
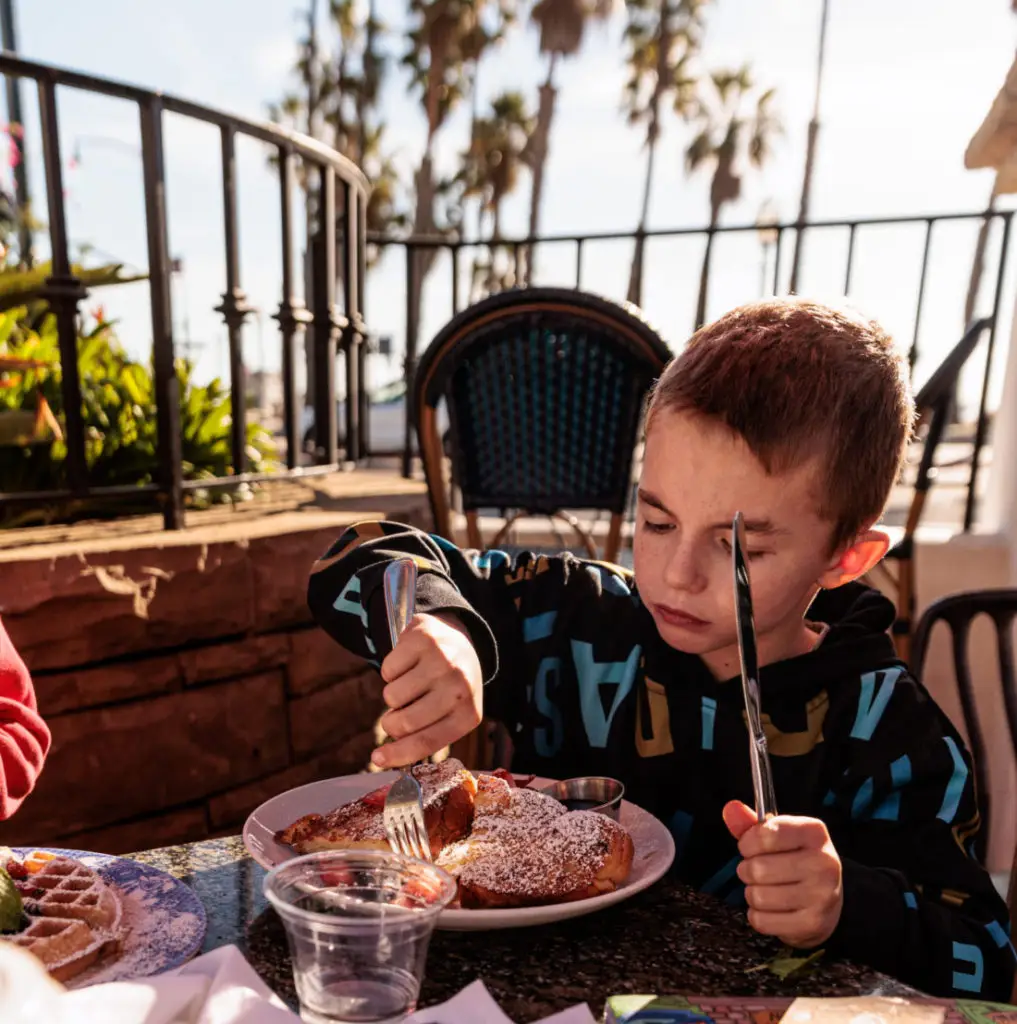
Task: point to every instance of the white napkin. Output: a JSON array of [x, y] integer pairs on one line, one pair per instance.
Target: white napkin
[[475, 1005], [217, 988]]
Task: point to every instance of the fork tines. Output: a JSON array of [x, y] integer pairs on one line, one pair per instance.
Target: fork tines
[[409, 837]]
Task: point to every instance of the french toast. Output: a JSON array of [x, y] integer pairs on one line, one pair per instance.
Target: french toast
[[525, 849], [506, 846], [448, 792]]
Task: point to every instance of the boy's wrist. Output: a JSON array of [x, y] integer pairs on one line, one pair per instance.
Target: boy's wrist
[[454, 620], [476, 630]]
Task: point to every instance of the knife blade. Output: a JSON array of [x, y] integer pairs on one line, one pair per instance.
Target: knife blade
[[759, 757]]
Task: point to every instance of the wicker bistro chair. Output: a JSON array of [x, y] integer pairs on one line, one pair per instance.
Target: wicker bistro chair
[[544, 390], [933, 404], [958, 612]]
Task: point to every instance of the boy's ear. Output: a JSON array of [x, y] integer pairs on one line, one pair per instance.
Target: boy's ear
[[865, 551]]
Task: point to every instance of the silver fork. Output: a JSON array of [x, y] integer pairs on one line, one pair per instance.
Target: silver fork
[[404, 804]]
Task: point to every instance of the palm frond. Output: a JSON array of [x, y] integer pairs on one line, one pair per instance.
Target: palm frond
[[701, 150]]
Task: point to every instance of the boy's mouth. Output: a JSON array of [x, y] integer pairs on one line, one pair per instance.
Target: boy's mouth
[[674, 617]]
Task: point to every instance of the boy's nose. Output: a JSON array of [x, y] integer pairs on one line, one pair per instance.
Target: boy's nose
[[683, 572]]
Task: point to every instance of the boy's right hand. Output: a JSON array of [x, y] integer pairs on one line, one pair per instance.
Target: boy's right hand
[[434, 690]]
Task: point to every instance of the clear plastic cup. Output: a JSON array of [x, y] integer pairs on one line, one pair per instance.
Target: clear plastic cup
[[358, 924]]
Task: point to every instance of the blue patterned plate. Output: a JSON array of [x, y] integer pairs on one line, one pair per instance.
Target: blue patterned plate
[[163, 919]]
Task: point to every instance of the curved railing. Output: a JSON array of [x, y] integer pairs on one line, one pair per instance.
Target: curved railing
[[332, 326]]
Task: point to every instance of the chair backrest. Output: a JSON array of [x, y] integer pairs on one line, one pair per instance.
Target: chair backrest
[[934, 399], [959, 611], [545, 390], [933, 404]]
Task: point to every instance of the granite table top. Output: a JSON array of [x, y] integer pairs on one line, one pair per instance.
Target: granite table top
[[668, 939]]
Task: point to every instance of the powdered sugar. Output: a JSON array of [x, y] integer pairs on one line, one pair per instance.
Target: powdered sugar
[[529, 848], [162, 922], [148, 932], [361, 822], [438, 780]]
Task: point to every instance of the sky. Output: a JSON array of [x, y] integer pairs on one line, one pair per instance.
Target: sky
[[907, 83]]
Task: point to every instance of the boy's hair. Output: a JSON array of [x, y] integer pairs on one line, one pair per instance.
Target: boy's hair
[[797, 380]]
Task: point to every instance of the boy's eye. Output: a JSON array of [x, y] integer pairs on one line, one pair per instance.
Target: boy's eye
[[752, 556], [653, 527]]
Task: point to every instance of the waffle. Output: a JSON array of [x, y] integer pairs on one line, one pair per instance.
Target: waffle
[[74, 918]]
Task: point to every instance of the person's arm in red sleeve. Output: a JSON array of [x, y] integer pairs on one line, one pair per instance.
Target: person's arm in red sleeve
[[24, 736]]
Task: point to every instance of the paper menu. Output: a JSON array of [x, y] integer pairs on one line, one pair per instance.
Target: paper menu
[[675, 1009], [862, 1010]]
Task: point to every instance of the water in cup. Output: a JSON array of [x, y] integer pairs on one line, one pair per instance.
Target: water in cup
[[377, 996], [358, 923]]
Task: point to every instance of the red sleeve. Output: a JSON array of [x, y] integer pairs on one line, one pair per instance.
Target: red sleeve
[[24, 736]]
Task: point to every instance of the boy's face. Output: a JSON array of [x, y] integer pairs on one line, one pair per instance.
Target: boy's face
[[696, 475]]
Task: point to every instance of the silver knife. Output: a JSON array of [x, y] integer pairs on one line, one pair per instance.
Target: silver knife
[[759, 757]]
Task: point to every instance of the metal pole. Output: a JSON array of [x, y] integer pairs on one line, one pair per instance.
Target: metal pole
[[810, 151], [410, 357], [63, 291], [15, 117], [326, 323], [167, 386], [292, 315], [234, 307]]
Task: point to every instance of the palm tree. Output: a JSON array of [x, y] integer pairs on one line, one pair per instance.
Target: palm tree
[[562, 24], [447, 40], [444, 40], [662, 38], [491, 168], [344, 88], [491, 29], [731, 129], [338, 103]]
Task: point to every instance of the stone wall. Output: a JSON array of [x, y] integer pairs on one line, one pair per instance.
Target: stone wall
[[183, 680]]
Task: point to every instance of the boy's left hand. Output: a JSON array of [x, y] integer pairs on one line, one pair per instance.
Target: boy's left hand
[[792, 875]]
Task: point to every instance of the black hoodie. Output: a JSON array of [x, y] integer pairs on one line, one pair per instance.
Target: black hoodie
[[578, 673]]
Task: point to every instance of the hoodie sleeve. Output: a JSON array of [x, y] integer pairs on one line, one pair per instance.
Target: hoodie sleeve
[[903, 817], [24, 737], [504, 604]]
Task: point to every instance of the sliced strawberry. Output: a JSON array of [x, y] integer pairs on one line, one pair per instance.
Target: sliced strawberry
[[16, 870], [505, 775], [376, 798], [414, 892]]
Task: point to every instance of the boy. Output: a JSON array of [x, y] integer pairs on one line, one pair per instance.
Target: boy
[[798, 416], [24, 737]]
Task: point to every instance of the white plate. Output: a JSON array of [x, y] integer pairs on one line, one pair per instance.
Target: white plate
[[654, 849]]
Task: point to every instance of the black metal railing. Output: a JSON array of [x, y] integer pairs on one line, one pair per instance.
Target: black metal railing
[[337, 258], [334, 329], [516, 248]]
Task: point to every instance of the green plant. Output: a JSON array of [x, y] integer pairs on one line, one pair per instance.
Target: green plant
[[119, 409], [20, 287]]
